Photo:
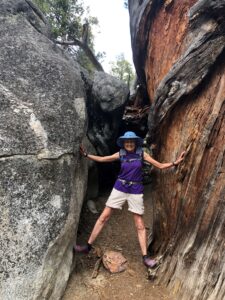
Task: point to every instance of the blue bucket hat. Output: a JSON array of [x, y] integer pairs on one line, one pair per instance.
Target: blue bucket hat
[[129, 135]]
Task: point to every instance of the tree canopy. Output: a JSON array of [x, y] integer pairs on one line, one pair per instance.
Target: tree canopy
[[64, 16], [71, 26], [122, 69]]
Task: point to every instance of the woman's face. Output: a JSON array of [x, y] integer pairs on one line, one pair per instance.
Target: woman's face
[[129, 145]]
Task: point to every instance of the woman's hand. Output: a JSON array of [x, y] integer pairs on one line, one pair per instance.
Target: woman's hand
[[83, 151], [98, 158], [180, 158]]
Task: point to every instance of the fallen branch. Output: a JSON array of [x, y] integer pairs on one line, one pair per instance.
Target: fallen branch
[[86, 49], [96, 268]]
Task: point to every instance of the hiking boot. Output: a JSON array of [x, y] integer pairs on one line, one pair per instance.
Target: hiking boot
[[149, 263], [85, 249]]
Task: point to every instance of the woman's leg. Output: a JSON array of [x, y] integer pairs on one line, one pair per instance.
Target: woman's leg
[[139, 223], [115, 201], [104, 217], [141, 231]]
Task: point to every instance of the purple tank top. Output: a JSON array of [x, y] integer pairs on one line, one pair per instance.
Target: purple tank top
[[130, 171]]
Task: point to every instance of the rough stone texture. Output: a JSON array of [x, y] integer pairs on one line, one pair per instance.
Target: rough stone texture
[[114, 261], [93, 177], [106, 99], [42, 178], [179, 54]]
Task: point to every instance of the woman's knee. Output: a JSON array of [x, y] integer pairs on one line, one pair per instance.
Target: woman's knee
[[140, 227], [103, 219], [139, 223], [105, 216]]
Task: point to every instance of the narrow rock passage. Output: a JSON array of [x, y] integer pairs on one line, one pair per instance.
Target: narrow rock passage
[[119, 234]]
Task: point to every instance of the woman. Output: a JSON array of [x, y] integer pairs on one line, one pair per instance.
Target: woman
[[128, 187]]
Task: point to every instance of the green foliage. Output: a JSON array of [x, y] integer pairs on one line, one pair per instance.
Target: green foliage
[[64, 16], [42, 4], [122, 69], [67, 20], [84, 61], [101, 56]]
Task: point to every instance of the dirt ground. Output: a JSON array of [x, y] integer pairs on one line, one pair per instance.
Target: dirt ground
[[120, 235]]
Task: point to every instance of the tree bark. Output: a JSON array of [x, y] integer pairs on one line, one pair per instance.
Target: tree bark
[[178, 49]]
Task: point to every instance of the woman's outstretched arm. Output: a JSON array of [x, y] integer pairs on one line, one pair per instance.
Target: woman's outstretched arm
[[160, 165], [108, 158]]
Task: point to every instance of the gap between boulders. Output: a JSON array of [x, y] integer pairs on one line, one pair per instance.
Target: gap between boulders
[[120, 235]]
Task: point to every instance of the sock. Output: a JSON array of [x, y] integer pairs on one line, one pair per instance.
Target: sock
[[89, 246]]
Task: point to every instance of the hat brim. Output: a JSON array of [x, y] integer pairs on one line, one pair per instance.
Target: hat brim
[[138, 141]]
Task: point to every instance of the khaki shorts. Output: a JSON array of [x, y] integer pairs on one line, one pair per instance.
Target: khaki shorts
[[135, 201]]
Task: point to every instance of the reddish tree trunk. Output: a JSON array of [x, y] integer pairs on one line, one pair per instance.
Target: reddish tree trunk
[[179, 55]]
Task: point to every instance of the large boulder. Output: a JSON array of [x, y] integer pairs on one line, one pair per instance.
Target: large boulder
[[179, 55], [93, 175], [42, 178], [106, 99]]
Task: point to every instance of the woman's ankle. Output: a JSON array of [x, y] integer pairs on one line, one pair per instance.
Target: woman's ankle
[[89, 246]]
